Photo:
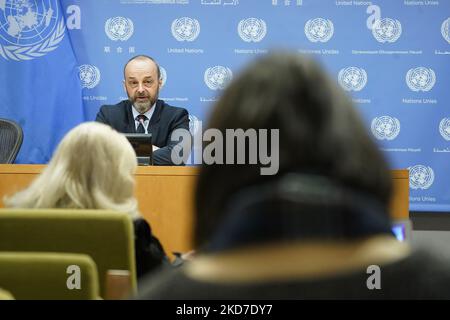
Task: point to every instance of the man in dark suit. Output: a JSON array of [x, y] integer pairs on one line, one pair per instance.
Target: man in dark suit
[[143, 112]]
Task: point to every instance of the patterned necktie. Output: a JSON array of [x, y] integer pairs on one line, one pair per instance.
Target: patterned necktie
[[141, 118]]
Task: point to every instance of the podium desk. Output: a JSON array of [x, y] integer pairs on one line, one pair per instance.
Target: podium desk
[[165, 196]]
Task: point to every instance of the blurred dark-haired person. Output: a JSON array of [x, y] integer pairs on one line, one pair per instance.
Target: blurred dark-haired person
[[93, 168], [319, 228]]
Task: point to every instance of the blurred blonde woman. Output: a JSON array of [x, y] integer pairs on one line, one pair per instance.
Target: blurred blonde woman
[[93, 168]]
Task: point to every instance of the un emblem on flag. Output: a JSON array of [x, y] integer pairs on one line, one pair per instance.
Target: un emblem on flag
[[185, 29], [252, 29], [89, 76], [216, 78], [163, 76], [420, 177], [445, 29], [319, 30], [420, 79], [385, 127], [352, 78], [444, 128], [29, 29], [387, 30], [119, 28]]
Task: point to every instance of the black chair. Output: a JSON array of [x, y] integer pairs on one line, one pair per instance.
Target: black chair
[[11, 137]]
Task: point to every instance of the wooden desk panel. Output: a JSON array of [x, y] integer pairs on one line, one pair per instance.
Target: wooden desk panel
[[165, 196], [165, 200]]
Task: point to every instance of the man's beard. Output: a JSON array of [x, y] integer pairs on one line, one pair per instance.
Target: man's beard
[[144, 106]]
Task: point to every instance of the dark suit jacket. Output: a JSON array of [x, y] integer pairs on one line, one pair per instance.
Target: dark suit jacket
[[164, 121]]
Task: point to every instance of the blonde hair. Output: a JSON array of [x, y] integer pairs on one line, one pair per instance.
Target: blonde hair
[[92, 168]]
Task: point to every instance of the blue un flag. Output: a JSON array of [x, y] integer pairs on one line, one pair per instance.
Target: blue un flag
[[39, 84]]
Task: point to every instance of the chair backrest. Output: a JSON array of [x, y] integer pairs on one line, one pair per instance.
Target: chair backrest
[[11, 137], [107, 236], [42, 276]]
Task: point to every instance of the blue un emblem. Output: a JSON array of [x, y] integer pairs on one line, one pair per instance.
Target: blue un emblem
[[119, 28], [89, 76], [420, 177], [185, 29], [420, 79], [252, 29], [163, 76], [216, 78], [29, 29], [319, 30], [352, 78], [385, 127], [444, 128], [445, 30], [387, 30]]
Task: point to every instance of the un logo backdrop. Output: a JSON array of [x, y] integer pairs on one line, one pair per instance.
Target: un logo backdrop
[[391, 57]]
